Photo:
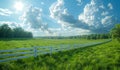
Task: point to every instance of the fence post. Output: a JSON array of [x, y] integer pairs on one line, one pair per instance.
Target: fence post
[[35, 51], [50, 51]]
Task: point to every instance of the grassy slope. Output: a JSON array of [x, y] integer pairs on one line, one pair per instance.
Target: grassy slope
[[101, 57], [8, 44]]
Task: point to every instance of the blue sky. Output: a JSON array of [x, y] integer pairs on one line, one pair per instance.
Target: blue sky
[[60, 17]]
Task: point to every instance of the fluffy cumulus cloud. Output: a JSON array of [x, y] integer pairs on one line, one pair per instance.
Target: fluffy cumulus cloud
[[79, 2], [88, 16], [62, 16], [10, 24], [95, 17], [104, 13], [106, 19], [110, 6], [102, 7], [33, 19], [5, 12], [60, 13]]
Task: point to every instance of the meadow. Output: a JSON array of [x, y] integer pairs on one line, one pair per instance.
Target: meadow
[[26, 43], [100, 57]]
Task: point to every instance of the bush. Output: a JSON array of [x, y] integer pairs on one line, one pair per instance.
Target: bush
[[115, 32]]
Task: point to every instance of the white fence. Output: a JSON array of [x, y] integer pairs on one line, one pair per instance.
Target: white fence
[[20, 53]]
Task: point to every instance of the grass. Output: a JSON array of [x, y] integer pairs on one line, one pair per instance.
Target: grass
[[100, 57], [18, 43]]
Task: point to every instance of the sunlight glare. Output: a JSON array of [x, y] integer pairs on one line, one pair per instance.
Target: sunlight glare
[[18, 6]]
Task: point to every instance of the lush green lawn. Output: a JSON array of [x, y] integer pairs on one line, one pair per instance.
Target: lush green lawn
[[9, 44], [100, 57]]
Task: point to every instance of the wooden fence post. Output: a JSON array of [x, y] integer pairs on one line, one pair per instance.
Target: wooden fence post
[[35, 51]]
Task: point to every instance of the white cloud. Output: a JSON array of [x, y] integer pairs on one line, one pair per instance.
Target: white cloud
[[62, 32], [91, 18], [102, 7], [106, 20], [79, 2], [32, 18], [42, 3], [5, 12], [110, 6], [11, 24], [68, 32], [88, 15], [104, 13], [60, 14], [56, 9]]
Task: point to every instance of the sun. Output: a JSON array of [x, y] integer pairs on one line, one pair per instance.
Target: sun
[[18, 6]]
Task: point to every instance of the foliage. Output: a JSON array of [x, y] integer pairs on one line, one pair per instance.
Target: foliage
[[101, 57], [116, 32], [96, 36], [89, 37], [19, 43], [7, 32]]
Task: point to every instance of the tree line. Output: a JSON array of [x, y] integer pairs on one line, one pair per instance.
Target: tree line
[[90, 36], [18, 32], [115, 32], [96, 36]]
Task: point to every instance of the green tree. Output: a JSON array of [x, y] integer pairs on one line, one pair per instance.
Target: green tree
[[5, 31], [115, 32], [18, 32]]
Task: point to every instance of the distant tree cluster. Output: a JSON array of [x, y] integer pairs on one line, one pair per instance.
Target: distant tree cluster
[[7, 32], [91, 36], [115, 32], [96, 36]]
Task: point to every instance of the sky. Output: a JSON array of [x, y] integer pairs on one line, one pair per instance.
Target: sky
[[60, 17]]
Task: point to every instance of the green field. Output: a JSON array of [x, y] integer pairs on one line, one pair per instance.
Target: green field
[[100, 57], [20, 43]]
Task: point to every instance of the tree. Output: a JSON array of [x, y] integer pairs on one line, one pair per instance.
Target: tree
[[18, 32], [5, 31], [115, 32]]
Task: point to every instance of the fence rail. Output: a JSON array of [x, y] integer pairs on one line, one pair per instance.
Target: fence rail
[[20, 53]]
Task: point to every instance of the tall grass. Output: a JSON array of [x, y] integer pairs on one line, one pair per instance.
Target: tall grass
[[100, 57], [18, 43]]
